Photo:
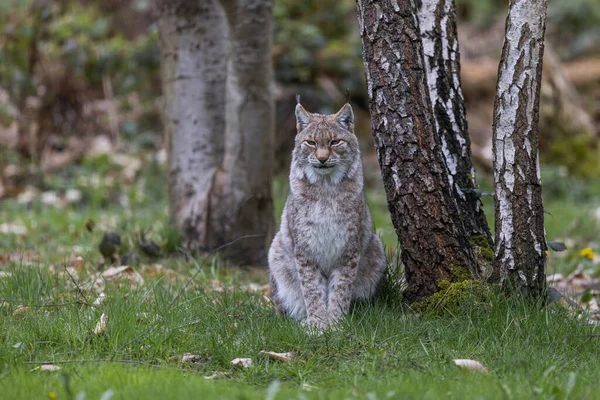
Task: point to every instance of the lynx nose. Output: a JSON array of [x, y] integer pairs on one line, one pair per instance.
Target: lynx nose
[[323, 160]]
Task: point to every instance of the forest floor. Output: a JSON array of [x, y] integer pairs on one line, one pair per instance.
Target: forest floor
[[169, 326]]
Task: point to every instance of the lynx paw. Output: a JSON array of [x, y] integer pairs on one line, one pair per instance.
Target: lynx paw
[[315, 325]]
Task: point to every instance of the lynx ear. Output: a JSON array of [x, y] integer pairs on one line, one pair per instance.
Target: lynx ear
[[345, 117], [302, 118]]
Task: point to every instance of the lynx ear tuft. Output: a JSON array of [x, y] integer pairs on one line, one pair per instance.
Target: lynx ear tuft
[[302, 118], [345, 117]]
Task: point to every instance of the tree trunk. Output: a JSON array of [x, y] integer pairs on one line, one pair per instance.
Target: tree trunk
[[219, 123], [520, 239], [437, 21], [243, 185], [433, 242]]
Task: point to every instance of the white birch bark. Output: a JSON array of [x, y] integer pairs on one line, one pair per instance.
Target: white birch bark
[[437, 22], [520, 237]]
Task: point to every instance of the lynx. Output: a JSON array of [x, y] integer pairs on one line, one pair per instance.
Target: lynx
[[325, 254]]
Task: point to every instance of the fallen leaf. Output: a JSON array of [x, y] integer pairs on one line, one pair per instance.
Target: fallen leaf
[[101, 325], [308, 387], [51, 198], [130, 165], [242, 362], [73, 196], [191, 358], [20, 311], [156, 270], [24, 258], [100, 144], [46, 367], [257, 288], [555, 278], [218, 374], [99, 300], [28, 195], [123, 272], [278, 356], [14, 229], [470, 365]]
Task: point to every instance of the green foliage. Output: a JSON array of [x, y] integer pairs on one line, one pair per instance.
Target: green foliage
[[393, 282], [315, 39], [579, 22], [69, 50], [580, 154]]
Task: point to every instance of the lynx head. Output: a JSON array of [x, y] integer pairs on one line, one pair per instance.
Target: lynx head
[[326, 146]]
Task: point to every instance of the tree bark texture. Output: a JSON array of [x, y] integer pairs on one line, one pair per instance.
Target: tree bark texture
[[520, 238], [216, 74], [437, 22], [433, 242]]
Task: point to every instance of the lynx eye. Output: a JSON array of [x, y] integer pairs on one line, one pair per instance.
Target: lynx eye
[[311, 143], [335, 142]]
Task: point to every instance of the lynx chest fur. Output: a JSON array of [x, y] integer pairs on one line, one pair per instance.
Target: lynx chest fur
[[325, 254], [326, 233]]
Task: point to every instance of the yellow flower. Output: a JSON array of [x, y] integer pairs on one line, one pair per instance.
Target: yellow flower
[[587, 253], [52, 395]]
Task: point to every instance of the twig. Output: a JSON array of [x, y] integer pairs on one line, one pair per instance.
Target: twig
[[79, 290]]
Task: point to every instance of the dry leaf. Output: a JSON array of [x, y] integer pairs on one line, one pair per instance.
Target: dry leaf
[[555, 278], [46, 367], [20, 311], [73, 196], [242, 362], [123, 272], [218, 374], [99, 300], [51, 198], [15, 229], [24, 258], [470, 365], [27, 195], [157, 270], [278, 356], [101, 325], [191, 358]]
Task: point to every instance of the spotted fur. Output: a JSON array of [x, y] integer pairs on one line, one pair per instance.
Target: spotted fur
[[325, 254]]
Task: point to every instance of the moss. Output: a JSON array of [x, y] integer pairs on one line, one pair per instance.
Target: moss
[[452, 296], [459, 274], [483, 251]]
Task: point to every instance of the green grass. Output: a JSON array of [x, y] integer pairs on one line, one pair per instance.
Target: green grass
[[380, 351]]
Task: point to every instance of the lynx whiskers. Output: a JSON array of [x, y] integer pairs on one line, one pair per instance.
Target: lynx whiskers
[[325, 254]]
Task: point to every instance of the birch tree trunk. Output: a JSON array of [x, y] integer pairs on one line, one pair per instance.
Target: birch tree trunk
[[432, 239], [219, 123], [520, 238], [437, 22]]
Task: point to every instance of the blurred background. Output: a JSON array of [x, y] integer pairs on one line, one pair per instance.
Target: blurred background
[[82, 147]]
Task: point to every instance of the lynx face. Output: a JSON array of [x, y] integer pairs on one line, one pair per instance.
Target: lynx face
[[325, 144]]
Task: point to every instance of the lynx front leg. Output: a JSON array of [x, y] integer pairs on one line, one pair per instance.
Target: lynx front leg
[[341, 286], [311, 282]]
